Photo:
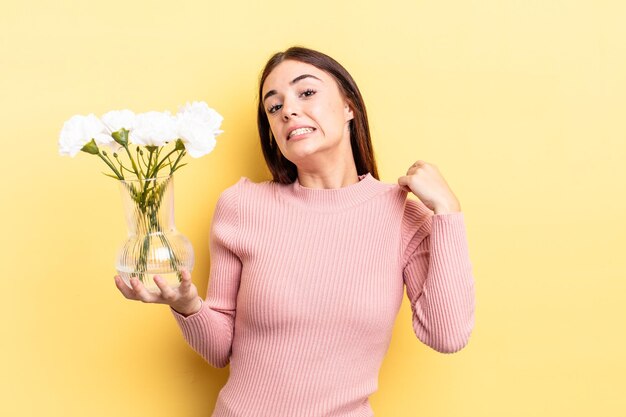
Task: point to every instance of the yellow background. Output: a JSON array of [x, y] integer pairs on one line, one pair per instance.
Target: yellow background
[[521, 105]]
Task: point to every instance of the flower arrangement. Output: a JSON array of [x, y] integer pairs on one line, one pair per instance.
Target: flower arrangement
[[112, 138], [193, 130]]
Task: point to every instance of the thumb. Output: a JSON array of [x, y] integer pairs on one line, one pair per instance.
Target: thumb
[[403, 182], [185, 283]]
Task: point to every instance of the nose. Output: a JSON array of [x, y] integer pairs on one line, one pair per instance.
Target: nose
[[287, 116], [289, 109]]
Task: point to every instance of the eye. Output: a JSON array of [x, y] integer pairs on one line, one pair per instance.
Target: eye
[[274, 108], [308, 92]]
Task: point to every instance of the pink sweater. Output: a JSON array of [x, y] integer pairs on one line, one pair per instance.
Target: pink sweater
[[305, 286]]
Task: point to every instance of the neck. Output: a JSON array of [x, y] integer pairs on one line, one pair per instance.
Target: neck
[[328, 179]]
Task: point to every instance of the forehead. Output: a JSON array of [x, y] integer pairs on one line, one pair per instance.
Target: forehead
[[288, 70]]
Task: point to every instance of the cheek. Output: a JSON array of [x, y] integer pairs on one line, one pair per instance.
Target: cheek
[[338, 118], [274, 128], [330, 114]]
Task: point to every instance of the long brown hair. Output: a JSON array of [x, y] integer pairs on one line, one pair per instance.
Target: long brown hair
[[285, 171]]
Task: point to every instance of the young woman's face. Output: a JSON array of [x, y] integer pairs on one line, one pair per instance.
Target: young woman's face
[[306, 111]]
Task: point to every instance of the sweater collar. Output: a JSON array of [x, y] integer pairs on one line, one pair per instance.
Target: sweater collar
[[329, 199]]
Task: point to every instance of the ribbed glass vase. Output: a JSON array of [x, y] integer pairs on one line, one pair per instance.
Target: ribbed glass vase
[[153, 246]]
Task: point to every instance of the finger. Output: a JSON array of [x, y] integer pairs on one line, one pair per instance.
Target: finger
[[412, 169], [417, 165], [142, 293], [124, 289], [167, 293], [185, 283], [403, 182]]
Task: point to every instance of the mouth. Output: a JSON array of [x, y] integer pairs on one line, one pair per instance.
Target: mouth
[[300, 131]]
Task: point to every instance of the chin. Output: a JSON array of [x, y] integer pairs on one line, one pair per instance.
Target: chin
[[303, 152]]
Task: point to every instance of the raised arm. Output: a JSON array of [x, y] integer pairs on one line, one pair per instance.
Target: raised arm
[[438, 277]]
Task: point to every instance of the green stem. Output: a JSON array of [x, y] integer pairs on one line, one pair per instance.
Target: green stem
[[149, 164], [182, 153], [140, 159], [119, 175], [122, 167], [132, 161], [158, 165], [145, 184]]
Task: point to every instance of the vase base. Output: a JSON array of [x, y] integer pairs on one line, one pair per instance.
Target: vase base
[[147, 280]]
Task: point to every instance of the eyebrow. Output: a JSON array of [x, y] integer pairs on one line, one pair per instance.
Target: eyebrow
[[295, 80]]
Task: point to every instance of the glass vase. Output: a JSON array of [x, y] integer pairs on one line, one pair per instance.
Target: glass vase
[[153, 246]]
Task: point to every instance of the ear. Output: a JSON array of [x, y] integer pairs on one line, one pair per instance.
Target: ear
[[347, 111]]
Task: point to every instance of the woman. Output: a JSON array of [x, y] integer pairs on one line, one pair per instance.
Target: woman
[[308, 270]]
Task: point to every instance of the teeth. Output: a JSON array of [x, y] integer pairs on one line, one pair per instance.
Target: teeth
[[300, 131]]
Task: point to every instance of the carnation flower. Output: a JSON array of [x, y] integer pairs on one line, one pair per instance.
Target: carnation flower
[[154, 129], [80, 130], [117, 119], [198, 124]]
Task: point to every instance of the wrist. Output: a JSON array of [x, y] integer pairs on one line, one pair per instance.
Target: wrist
[[447, 210], [191, 308], [449, 207]]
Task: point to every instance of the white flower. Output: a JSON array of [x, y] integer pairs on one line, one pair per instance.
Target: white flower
[[153, 129], [78, 131], [117, 119], [198, 124]]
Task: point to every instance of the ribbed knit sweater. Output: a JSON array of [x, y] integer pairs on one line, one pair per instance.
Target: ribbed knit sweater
[[305, 285]]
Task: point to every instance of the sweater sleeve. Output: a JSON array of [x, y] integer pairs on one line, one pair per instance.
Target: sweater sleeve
[[210, 331], [438, 277]]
